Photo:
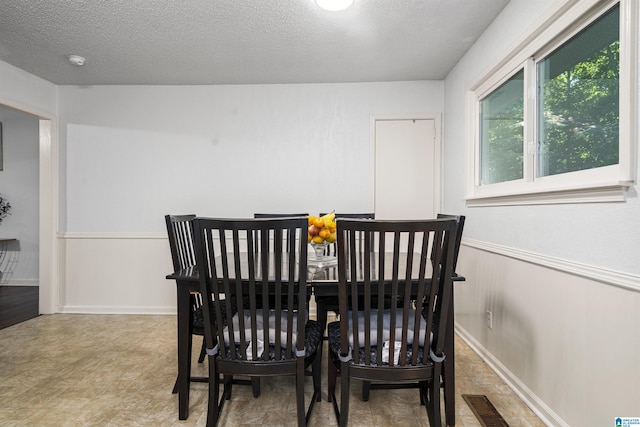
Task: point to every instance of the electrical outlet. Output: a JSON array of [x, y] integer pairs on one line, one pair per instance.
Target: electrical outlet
[[489, 319]]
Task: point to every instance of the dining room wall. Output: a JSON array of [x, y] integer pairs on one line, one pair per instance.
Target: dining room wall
[[131, 154], [135, 153], [561, 281]]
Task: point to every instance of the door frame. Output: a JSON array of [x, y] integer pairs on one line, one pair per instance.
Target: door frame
[[438, 161], [48, 179]]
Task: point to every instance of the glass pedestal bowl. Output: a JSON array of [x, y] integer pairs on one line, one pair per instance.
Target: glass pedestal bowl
[[319, 257]]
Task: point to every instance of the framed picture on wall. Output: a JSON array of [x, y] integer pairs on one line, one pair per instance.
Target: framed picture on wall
[[0, 146]]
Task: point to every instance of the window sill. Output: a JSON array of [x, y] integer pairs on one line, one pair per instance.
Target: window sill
[[614, 192]]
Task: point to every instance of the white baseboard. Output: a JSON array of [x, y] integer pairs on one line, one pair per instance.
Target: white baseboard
[[83, 309], [21, 282], [546, 414]]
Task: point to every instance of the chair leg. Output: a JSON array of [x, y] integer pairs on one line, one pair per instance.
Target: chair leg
[[433, 404], [332, 375], [228, 383], [432, 397], [203, 351], [175, 387], [316, 371], [300, 392], [344, 394], [214, 387], [255, 386], [366, 388], [321, 315]]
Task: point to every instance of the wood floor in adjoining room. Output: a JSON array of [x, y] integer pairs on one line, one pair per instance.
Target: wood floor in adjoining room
[[118, 370], [17, 304]]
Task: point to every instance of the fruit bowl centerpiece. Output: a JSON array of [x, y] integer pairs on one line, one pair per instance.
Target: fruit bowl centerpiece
[[321, 233]]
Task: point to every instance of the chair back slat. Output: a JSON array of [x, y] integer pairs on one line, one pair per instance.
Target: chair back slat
[[359, 244], [382, 302], [288, 237], [332, 248], [180, 234], [458, 239], [257, 268]]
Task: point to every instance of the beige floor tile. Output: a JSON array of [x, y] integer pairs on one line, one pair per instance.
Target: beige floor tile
[[117, 370]]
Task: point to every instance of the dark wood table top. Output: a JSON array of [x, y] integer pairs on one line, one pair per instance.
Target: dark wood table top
[[319, 277]]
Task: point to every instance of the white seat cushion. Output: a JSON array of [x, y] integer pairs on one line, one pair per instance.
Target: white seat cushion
[[386, 322], [260, 327]]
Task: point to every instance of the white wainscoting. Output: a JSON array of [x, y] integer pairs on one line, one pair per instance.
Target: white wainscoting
[[116, 273], [565, 336]]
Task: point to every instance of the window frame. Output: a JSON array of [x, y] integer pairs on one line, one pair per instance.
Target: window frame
[[602, 184]]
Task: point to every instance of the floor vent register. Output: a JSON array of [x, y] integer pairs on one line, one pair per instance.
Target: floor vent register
[[484, 410]]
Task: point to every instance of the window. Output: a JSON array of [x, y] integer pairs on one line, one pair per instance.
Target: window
[[578, 90], [549, 124], [501, 130]]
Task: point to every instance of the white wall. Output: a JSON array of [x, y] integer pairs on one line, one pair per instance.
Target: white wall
[[19, 185], [132, 154], [562, 281]]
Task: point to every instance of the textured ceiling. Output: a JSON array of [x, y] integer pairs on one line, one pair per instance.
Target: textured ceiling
[[239, 41]]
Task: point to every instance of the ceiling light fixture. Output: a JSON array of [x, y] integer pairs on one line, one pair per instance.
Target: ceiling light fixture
[[76, 60], [334, 5]]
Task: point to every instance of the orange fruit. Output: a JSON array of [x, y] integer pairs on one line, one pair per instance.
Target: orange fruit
[[324, 233], [312, 219], [318, 222], [317, 239]]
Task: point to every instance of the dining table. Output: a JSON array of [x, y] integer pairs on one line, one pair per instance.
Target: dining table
[[322, 279]]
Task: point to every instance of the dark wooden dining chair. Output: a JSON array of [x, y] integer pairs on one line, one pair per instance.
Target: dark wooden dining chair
[[265, 338], [326, 304], [448, 374], [180, 234], [287, 237], [401, 342]]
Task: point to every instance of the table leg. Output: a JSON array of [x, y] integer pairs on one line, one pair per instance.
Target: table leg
[[321, 316], [449, 372], [184, 350]]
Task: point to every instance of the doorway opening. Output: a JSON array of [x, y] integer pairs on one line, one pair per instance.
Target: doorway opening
[[30, 176]]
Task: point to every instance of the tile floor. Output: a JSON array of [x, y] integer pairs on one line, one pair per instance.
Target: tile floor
[[118, 370]]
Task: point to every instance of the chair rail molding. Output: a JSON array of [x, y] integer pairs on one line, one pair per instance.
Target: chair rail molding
[[603, 275], [94, 235]]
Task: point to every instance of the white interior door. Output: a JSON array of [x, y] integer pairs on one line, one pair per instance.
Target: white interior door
[[407, 169]]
